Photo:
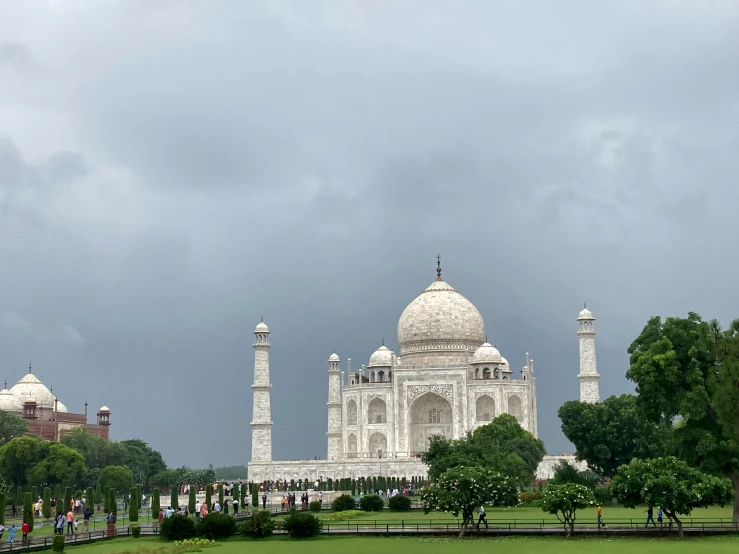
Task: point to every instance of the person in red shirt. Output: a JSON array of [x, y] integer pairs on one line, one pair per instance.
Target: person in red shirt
[[25, 529]]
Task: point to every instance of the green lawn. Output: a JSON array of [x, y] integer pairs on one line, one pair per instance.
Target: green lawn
[[373, 545], [612, 515]]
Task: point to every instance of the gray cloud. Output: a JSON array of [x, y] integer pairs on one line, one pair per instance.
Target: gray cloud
[[170, 173]]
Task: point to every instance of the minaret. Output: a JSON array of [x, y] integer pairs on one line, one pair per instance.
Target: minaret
[[335, 450], [588, 375], [261, 423]]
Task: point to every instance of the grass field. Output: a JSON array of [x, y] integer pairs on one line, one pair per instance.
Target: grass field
[[611, 515], [372, 545]]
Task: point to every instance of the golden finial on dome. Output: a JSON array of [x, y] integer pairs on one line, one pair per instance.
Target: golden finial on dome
[[438, 267]]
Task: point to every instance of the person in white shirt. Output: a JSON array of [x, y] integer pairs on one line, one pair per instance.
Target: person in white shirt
[[217, 507], [197, 509]]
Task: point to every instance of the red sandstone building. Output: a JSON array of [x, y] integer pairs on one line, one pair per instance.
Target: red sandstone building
[[47, 417]]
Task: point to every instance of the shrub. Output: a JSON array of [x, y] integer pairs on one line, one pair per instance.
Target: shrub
[[220, 494], [302, 525], [529, 498], [174, 497], [209, 495], [46, 506], [177, 528], [216, 526], [67, 499], [371, 503], [343, 503], [98, 494], [343, 516], [399, 503], [259, 526], [255, 495], [133, 509], [315, 506], [57, 545], [603, 496], [136, 531], [191, 501], [90, 499]]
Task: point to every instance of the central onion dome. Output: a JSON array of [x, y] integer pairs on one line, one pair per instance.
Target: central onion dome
[[440, 327], [31, 386]]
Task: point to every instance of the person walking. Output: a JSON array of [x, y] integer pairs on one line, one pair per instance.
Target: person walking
[[70, 521], [481, 518], [25, 529], [650, 516], [659, 516], [11, 534], [197, 509], [236, 505], [86, 519], [599, 515], [2, 530]]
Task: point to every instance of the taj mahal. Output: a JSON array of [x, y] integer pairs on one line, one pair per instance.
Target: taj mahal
[[446, 379]]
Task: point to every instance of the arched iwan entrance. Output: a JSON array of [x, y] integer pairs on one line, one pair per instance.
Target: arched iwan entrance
[[431, 415], [378, 445]]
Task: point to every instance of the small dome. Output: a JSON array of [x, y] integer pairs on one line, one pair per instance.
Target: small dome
[[29, 385], [505, 363], [383, 357], [104, 410], [261, 327], [30, 400], [61, 408], [585, 314], [334, 358], [9, 402], [487, 354]]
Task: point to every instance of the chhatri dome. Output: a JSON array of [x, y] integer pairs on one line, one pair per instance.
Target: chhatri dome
[[9, 402], [440, 327], [383, 357]]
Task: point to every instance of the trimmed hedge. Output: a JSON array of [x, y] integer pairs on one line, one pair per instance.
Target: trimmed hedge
[[259, 526], [216, 526], [399, 503], [302, 525], [177, 528], [371, 503], [343, 503], [315, 506]]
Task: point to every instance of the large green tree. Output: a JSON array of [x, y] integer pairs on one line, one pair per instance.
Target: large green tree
[[680, 368], [670, 484], [462, 490], [118, 478], [11, 426], [30, 460], [143, 461], [502, 445], [611, 433], [97, 452]]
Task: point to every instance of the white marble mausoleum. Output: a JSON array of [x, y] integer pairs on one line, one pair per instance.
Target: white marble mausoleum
[[446, 379]]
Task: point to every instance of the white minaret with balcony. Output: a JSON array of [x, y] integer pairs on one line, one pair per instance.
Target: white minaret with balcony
[[261, 423], [335, 448], [588, 375]]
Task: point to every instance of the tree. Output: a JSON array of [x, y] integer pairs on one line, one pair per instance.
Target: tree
[[209, 495], [242, 489], [18, 455], [680, 367], [255, 495], [11, 426], [97, 452], [112, 502], [566, 473], [99, 493], [611, 433], [670, 484], [174, 498], [191, 500], [90, 499], [155, 506], [3, 502], [220, 494], [564, 501], [464, 489], [67, 498], [118, 478], [60, 464], [143, 461], [47, 503], [27, 510], [501, 445]]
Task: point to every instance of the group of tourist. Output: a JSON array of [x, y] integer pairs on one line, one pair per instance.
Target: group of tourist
[[25, 529]]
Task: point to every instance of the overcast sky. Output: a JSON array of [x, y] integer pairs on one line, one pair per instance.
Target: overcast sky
[[172, 171]]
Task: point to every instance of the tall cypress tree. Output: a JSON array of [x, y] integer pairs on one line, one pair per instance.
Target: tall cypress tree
[[3, 502], [242, 489], [220, 494], [46, 507], [67, 498], [155, 507], [98, 499], [112, 502], [209, 495], [174, 497], [27, 510], [34, 494], [90, 499], [191, 503], [133, 508], [255, 495]]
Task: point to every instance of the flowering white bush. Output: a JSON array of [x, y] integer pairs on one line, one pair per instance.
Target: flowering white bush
[[564, 501]]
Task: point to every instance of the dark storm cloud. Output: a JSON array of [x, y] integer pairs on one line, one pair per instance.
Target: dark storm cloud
[[171, 172]]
